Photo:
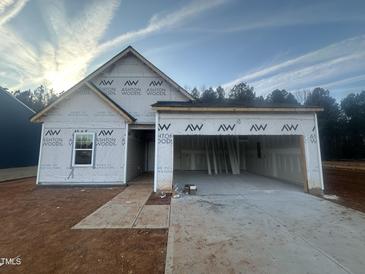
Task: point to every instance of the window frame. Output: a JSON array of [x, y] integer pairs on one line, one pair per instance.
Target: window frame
[[74, 149]]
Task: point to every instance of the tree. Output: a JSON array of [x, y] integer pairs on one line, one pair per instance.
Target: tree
[[260, 101], [321, 97], [36, 99], [301, 95], [195, 93], [209, 95], [220, 94], [353, 107], [281, 97], [242, 93]]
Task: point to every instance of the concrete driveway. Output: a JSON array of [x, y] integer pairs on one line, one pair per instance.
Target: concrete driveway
[[268, 227]]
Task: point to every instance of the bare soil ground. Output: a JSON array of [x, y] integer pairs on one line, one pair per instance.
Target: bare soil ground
[[347, 184], [36, 225]]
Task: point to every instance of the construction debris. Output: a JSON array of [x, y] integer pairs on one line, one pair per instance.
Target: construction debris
[[190, 189], [176, 192]]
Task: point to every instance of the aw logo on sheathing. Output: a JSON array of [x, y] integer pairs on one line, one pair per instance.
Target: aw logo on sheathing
[[130, 88], [290, 127], [154, 83], [50, 138], [106, 82], [131, 83], [163, 127], [192, 127], [155, 88], [257, 127], [104, 138], [52, 132], [105, 132], [11, 261], [224, 127]]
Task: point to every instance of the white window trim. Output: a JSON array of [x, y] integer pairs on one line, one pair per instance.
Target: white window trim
[[74, 150]]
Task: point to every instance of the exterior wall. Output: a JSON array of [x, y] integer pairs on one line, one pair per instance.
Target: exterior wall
[[135, 87], [170, 124], [83, 111], [280, 157]]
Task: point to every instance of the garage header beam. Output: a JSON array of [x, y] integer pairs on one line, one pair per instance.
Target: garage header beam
[[236, 109]]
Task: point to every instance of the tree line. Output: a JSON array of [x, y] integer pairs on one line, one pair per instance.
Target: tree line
[[35, 99], [341, 125]]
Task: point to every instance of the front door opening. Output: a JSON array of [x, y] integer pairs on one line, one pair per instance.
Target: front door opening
[[141, 152]]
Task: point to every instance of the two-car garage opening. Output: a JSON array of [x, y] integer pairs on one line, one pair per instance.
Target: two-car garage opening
[[227, 161]]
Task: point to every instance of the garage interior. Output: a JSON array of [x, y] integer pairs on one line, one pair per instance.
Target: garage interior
[[261, 161], [141, 152]]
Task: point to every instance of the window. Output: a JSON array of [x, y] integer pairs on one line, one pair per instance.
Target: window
[[83, 153]]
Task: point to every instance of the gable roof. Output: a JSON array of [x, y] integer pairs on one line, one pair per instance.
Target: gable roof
[[126, 51], [4, 91], [128, 117]]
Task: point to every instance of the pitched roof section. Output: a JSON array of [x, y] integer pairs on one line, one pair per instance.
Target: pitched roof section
[[198, 106], [129, 118], [127, 50], [2, 90]]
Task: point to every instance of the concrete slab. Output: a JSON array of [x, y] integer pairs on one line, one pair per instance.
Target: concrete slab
[[17, 173], [110, 216], [231, 184], [153, 216], [263, 229], [120, 212]]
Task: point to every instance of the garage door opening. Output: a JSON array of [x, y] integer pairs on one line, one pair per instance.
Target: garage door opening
[[240, 159]]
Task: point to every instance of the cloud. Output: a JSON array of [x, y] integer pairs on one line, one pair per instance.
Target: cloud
[[301, 14], [9, 9], [63, 60], [74, 42], [163, 22], [335, 62]]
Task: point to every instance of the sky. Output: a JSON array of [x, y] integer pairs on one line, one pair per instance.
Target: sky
[[292, 45]]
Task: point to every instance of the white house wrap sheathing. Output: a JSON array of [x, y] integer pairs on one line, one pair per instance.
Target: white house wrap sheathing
[[172, 124], [135, 87], [82, 111]]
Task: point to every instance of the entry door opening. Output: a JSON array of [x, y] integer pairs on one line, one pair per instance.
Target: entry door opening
[[141, 152]]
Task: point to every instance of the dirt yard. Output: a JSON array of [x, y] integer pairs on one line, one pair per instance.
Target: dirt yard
[[348, 184], [35, 225]]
